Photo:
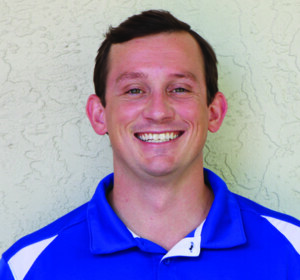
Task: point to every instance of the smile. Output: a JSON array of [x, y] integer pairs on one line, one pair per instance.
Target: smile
[[158, 137]]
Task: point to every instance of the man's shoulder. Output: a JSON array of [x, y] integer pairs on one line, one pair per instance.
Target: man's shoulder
[[271, 221], [45, 235], [252, 220], [255, 208]]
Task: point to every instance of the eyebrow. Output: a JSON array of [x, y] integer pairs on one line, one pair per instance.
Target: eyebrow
[[131, 76], [184, 75]]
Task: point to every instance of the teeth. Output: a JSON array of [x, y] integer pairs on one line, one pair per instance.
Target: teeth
[[158, 137]]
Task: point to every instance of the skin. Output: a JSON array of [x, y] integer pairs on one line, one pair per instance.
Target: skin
[[156, 85]]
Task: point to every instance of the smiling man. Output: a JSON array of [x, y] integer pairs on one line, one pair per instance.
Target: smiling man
[[157, 118], [161, 215]]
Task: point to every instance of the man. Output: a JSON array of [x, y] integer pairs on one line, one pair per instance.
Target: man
[[160, 215]]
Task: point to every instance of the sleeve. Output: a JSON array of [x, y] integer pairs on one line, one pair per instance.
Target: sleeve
[[5, 272]]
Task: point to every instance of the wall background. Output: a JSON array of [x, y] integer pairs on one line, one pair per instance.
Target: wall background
[[51, 160]]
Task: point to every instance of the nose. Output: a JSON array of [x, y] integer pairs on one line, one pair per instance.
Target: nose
[[159, 108]]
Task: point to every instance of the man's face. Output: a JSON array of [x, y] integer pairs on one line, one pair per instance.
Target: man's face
[[156, 112]]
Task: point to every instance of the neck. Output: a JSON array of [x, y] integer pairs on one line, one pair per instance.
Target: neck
[[163, 211]]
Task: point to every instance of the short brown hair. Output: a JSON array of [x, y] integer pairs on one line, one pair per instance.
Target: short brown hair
[[149, 23]]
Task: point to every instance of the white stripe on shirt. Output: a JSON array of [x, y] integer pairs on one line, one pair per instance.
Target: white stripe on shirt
[[290, 231], [22, 261]]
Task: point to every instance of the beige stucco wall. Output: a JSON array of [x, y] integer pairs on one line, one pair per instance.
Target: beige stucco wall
[[51, 160]]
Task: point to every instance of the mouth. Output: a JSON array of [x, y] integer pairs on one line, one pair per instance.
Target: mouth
[[158, 137]]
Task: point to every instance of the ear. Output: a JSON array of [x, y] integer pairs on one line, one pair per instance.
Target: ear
[[217, 111], [96, 114]]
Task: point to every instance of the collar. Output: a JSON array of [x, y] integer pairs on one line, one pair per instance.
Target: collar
[[223, 227], [108, 233]]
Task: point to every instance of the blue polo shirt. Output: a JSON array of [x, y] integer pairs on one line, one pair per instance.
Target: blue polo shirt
[[238, 240]]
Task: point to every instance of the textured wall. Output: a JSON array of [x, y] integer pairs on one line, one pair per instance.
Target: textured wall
[[51, 160]]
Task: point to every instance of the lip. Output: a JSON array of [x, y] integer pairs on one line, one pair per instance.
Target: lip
[[158, 137]]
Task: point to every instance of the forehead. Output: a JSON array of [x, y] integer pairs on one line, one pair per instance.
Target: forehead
[[176, 49]]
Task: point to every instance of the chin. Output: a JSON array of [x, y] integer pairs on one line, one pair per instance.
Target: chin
[[159, 171]]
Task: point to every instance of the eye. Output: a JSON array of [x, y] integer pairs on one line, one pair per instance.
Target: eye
[[134, 91], [180, 90]]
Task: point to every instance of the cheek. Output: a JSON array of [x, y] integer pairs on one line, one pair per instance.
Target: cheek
[[121, 113], [193, 112]]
